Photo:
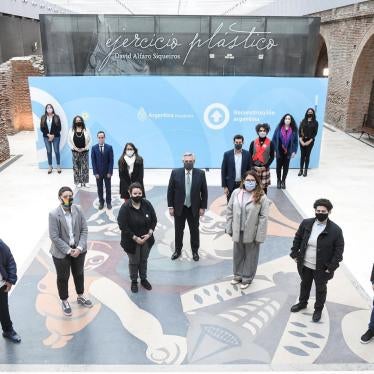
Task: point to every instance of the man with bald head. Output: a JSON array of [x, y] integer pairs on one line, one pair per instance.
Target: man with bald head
[[187, 200]]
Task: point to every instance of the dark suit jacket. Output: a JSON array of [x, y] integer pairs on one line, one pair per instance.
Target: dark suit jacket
[[372, 275], [8, 267], [177, 191], [330, 246], [124, 178], [228, 168], [55, 127], [102, 163]]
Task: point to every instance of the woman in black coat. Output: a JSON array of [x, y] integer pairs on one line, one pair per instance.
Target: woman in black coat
[[50, 126], [317, 249], [137, 221], [130, 169], [307, 132]]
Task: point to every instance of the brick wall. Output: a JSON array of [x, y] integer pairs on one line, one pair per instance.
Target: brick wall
[[348, 33]]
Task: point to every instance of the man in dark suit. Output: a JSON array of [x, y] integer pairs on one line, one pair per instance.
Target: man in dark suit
[[8, 277], [317, 249], [235, 163], [187, 200], [369, 334], [102, 165]]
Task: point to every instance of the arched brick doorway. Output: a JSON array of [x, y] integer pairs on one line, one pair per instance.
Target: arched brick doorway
[[322, 64], [361, 98]]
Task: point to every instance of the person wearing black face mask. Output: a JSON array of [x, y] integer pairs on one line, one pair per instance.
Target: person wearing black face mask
[[234, 164], [187, 200], [317, 249], [307, 132], [261, 153], [137, 221], [68, 233]]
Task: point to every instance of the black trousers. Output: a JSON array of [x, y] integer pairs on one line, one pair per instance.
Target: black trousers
[[6, 322], [305, 155], [320, 280], [63, 266], [193, 224], [108, 189], [283, 162], [236, 185], [138, 262]]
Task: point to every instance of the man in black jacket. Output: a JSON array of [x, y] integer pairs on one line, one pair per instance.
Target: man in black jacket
[[187, 200], [8, 277], [369, 335], [317, 248]]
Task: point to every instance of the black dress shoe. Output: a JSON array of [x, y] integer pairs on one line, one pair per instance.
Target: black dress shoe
[[317, 315], [101, 206], [300, 173], [305, 173], [297, 307], [134, 287], [283, 185], [175, 255], [278, 184], [146, 284], [12, 336], [195, 256], [109, 206]]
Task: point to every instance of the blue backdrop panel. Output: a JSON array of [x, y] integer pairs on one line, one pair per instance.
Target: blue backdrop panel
[[166, 116]]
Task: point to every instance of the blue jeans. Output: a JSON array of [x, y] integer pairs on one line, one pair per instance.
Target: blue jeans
[[371, 323], [56, 148]]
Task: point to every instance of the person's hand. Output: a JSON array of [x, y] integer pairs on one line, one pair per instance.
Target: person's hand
[[139, 241], [225, 190], [97, 176], [8, 286], [327, 271], [109, 176], [145, 237], [171, 211], [75, 252], [51, 137], [201, 212], [295, 259], [293, 155], [302, 143], [80, 150]]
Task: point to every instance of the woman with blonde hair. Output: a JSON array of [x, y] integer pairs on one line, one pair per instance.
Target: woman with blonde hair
[[247, 218]]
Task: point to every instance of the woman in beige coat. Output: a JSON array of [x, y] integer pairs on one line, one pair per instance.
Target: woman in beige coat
[[247, 218]]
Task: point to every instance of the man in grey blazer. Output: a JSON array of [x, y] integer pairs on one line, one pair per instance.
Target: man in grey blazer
[[68, 233]]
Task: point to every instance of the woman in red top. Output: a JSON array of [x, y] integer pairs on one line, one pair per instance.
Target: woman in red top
[[261, 153]]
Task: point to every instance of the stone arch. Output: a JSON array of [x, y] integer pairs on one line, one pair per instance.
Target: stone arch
[[322, 57], [360, 104]]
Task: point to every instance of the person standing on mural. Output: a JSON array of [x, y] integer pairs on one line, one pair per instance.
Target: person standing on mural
[[317, 249], [137, 221], [50, 126], [247, 218], [130, 170], [307, 132], [285, 139], [261, 153], [8, 277], [369, 334], [187, 200], [102, 165], [80, 140], [234, 164], [68, 233]]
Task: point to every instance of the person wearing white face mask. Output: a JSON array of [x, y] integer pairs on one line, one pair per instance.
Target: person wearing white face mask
[[247, 219], [261, 153], [130, 170], [285, 141]]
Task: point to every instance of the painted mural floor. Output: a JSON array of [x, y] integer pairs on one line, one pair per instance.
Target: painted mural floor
[[193, 316]]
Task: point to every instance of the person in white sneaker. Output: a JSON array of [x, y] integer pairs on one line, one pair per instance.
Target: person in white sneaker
[[247, 218], [369, 335], [68, 233]]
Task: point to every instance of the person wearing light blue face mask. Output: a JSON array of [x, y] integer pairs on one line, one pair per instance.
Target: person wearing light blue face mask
[[247, 218]]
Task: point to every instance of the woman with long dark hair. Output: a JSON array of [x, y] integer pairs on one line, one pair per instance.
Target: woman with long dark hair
[[247, 218], [50, 126], [80, 141], [130, 170], [285, 141], [307, 133]]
